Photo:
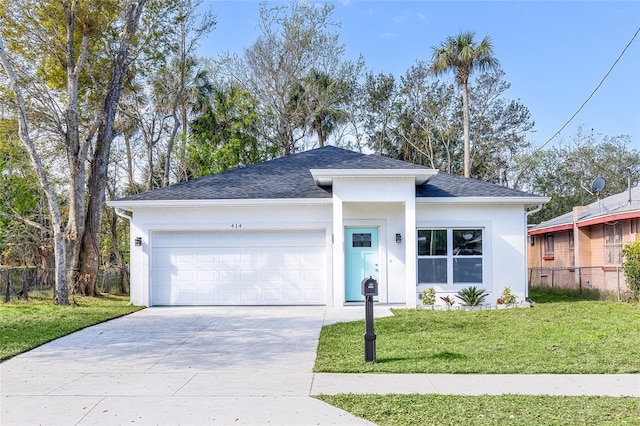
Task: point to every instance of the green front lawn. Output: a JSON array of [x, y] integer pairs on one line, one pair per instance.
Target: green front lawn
[[567, 335], [561, 337], [489, 410], [25, 325]]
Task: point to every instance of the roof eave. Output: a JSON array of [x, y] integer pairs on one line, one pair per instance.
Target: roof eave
[[324, 177], [145, 204], [550, 229], [526, 201], [608, 218]]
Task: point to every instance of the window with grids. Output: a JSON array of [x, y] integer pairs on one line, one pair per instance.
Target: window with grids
[[572, 249], [450, 256], [549, 248], [612, 244]]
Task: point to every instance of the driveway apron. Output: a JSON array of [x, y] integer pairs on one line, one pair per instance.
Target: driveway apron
[[176, 366]]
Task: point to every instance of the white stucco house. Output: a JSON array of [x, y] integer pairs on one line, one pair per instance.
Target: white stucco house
[[308, 228]]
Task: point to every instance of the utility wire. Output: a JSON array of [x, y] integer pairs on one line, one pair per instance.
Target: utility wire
[[527, 163]]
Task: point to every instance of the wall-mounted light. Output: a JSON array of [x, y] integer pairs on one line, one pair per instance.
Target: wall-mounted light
[[138, 241], [398, 238]]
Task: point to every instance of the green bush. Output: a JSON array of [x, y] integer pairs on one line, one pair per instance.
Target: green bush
[[472, 296], [507, 298], [429, 296], [631, 267]]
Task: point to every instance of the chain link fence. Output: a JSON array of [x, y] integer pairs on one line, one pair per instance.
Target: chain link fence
[[607, 280], [20, 282]]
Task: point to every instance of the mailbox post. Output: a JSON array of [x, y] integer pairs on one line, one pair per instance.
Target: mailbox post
[[369, 288]]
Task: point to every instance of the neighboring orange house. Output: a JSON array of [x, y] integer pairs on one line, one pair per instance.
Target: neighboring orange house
[[582, 249]]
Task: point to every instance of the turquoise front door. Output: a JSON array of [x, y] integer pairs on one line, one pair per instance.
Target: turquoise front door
[[361, 260]]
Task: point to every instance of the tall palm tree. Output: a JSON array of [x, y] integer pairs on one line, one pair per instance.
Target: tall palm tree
[[325, 98], [463, 55], [317, 103]]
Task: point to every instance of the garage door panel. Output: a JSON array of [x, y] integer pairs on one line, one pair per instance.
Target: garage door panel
[[231, 268], [206, 296]]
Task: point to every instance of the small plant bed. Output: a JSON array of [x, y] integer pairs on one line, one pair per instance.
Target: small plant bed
[[25, 325], [489, 410], [570, 337], [470, 299]]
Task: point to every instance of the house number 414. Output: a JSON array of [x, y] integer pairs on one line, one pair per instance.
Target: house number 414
[[236, 225]]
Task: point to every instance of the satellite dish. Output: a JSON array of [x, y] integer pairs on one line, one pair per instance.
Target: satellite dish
[[597, 186]]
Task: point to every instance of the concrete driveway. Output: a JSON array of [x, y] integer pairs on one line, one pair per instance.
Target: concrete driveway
[[177, 366]]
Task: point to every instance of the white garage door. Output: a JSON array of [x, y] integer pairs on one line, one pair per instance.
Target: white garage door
[[238, 268]]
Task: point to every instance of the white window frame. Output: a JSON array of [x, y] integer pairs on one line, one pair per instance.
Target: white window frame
[[450, 257]]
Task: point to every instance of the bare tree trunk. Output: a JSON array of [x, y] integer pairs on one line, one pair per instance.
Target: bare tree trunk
[[7, 290], [321, 136], [172, 138], [52, 200], [465, 127], [90, 249], [24, 292], [130, 179], [150, 165], [76, 149]]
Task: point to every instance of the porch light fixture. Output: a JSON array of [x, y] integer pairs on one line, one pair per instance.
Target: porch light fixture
[[398, 238], [138, 241]]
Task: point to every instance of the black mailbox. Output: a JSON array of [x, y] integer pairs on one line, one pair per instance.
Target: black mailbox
[[369, 287]]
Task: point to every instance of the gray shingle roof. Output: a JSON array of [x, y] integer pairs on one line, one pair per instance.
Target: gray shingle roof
[[607, 207], [290, 177], [448, 185]]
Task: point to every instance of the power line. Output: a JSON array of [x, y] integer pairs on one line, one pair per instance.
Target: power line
[[526, 161]]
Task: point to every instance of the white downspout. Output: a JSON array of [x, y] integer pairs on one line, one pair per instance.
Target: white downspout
[[129, 218], [526, 248]]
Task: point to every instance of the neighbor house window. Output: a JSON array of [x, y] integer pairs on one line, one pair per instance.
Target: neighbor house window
[[548, 245], [572, 251], [450, 256], [612, 244]]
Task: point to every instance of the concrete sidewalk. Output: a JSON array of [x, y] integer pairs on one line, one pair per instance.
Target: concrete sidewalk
[[479, 384]]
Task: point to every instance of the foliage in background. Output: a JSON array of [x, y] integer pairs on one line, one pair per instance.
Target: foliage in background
[[22, 198], [295, 41], [631, 267], [560, 171], [224, 133]]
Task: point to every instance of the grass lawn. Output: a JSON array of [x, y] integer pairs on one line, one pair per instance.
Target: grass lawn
[[560, 334], [25, 325], [571, 336], [489, 410]]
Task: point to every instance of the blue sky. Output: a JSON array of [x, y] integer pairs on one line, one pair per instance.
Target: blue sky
[[554, 53]]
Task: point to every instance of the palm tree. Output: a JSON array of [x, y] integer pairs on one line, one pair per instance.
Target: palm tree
[[462, 55], [325, 97], [317, 103]]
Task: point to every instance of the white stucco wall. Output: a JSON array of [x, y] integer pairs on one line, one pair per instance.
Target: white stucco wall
[[387, 203], [503, 246], [357, 202], [218, 218]]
